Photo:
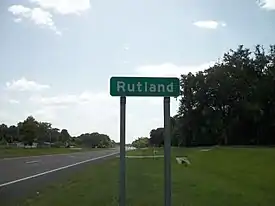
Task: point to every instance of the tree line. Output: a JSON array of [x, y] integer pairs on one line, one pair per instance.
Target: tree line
[[32, 131], [141, 142], [230, 103]]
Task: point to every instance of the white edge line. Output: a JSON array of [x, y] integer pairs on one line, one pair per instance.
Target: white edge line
[[34, 161], [54, 170]]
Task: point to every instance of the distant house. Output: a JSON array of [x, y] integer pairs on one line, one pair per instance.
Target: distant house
[[20, 145], [34, 145]]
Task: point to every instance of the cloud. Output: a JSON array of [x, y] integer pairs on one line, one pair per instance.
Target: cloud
[[87, 111], [65, 100], [14, 101], [25, 85], [209, 24], [42, 14], [267, 4], [44, 114], [37, 15], [126, 62], [64, 6], [17, 20], [126, 47], [170, 69]]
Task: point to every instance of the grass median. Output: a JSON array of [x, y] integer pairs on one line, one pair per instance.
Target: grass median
[[221, 176], [22, 152]]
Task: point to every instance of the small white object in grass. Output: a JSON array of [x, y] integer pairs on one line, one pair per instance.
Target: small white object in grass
[[205, 150], [183, 160], [76, 148]]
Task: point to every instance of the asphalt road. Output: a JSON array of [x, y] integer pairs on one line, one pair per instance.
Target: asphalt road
[[25, 176]]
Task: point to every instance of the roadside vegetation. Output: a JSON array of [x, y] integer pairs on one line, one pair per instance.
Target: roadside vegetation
[[22, 152], [230, 103], [32, 137]]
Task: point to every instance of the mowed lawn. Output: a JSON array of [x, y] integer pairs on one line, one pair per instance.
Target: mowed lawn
[[221, 176], [19, 152]]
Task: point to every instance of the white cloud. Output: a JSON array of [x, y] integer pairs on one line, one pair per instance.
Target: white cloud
[[170, 69], [25, 85], [55, 100], [70, 99], [36, 15], [19, 9], [64, 6], [126, 47], [267, 4], [17, 20], [47, 114], [14, 101], [209, 24], [84, 112], [41, 15]]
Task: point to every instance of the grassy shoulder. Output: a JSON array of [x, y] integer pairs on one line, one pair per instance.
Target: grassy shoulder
[[21, 152], [222, 176]]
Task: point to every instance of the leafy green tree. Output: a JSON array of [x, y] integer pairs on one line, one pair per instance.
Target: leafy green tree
[[3, 132], [29, 130], [230, 103], [44, 132], [156, 137], [55, 135], [141, 142], [65, 136], [95, 140]]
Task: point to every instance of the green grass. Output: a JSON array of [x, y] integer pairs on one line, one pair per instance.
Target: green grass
[[19, 152], [222, 176]]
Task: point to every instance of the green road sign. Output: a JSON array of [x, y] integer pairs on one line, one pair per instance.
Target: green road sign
[[145, 86]]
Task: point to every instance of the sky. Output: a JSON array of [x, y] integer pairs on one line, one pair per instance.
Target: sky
[[57, 56]]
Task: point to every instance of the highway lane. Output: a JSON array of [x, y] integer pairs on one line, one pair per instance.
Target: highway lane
[[17, 168], [20, 177]]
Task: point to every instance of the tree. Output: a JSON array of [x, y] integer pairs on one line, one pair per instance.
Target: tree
[[44, 132], [230, 103], [3, 132], [29, 130], [157, 137], [141, 142], [65, 136], [95, 140], [12, 134], [54, 135]]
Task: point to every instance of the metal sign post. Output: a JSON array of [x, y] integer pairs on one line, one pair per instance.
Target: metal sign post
[[145, 87], [167, 152], [122, 184]]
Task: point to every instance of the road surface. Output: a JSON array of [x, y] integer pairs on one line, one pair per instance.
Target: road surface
[[23, 176]]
